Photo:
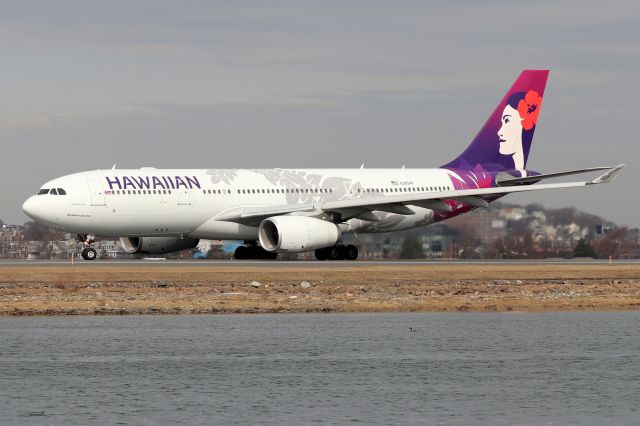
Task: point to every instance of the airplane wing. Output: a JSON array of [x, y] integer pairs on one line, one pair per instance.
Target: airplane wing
[[361, 207]]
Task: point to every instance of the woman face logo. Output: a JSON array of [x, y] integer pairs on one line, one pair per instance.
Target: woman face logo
[[510, 132]]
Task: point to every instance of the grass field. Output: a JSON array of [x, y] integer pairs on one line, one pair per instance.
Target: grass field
[[350, 288]]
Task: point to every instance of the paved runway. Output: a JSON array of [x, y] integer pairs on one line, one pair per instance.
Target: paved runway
[[299, 264]]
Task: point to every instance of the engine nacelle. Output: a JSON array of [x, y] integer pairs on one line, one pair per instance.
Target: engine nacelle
[[297, 234], [156, 245]]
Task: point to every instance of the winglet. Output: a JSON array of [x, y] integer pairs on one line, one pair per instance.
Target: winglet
[[609, 175]]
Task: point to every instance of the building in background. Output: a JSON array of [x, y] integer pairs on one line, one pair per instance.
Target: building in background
[[500, 231]]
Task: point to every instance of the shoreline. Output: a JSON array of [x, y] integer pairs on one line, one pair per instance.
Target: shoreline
[[109, 290]]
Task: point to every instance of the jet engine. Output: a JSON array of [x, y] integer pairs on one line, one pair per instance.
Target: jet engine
[[297, 234], [156, 245]]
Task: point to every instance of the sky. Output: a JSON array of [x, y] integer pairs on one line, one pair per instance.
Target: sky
[[205, 84]]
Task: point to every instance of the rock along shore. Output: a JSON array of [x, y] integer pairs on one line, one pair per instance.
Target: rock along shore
[[358, 287]]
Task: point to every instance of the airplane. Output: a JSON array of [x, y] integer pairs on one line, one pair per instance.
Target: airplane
[[155, 211]]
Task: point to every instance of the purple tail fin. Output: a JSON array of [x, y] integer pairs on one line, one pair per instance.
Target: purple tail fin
[[504, 141]]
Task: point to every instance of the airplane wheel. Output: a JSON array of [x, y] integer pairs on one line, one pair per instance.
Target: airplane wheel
[[253, 252], [266, 255], [351, 252], [89, 254], [334, 253], [241, 253], [321, 254]]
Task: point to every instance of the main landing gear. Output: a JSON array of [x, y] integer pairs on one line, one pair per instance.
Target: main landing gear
[[253, 251], [339, 252], [88, 252]]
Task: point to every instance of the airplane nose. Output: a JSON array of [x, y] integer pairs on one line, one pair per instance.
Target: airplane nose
[[28, 207]]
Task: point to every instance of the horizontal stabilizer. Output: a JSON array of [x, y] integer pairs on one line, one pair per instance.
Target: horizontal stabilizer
[[505, 179], [610, 175]]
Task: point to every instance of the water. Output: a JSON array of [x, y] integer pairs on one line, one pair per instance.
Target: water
[[529, 369]]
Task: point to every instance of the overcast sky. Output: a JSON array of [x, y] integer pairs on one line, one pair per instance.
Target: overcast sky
[[86, 84]]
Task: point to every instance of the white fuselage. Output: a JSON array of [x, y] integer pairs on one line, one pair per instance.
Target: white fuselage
[[173, 202]]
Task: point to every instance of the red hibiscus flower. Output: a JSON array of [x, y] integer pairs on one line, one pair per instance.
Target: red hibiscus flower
[[483, 177], [529, 108]]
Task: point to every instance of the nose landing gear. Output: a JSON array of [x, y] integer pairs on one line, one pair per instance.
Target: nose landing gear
[[88, 252], [338, 252]]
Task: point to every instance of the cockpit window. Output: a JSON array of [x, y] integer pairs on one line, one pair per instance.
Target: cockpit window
[[62, 191], [43, 191], [53, 191]]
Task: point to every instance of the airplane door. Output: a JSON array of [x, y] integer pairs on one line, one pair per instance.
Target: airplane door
[[184, 197], [97, 193]]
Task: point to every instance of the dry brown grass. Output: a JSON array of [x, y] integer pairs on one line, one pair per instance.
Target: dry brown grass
[[350, 288]]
